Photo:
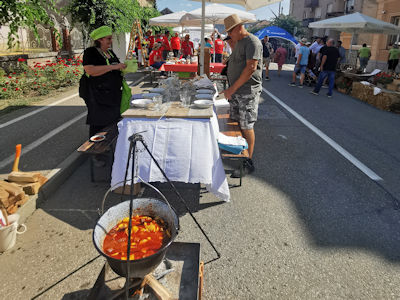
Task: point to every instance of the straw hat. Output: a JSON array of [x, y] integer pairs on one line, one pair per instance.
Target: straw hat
[[303, 41], [232, 21]]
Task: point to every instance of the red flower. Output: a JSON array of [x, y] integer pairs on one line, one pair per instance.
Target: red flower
[[69, 59], [35, 82], [17, 89], [14, 73], [16, 81], [4, 89], [9, 76], [54, 70], [68, 71], [7, 82], [21, 59]]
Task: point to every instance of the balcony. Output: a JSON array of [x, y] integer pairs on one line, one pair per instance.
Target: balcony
[[311, 3]]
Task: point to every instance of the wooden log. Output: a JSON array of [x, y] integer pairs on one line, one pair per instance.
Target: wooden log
[[23, 176], [42, 180], [12, 200], [11, 188], [12, 209], [4, 195], [159, 290], [21, 202], [30, 188]]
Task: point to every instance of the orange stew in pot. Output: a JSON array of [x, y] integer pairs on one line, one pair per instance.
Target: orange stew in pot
[[147, 237]]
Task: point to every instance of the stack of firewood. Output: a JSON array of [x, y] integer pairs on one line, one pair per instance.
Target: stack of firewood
[[14, 192]]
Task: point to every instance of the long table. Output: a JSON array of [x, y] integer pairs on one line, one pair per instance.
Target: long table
[[186, 149], [214, 67]]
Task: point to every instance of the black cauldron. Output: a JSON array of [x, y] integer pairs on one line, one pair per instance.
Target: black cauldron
[[141, 206]]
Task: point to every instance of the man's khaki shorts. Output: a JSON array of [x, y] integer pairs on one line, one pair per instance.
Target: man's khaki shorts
[[266, 61], [244, 109]]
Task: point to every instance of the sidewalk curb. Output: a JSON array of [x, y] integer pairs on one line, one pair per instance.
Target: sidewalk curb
[[55, 179]]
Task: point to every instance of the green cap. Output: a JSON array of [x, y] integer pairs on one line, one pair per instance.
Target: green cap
[[101, 32]]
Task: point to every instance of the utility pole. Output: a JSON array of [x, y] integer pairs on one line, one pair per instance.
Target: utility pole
[[279, 11]]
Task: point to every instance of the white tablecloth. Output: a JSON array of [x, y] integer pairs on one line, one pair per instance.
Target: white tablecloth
[[186, 149]]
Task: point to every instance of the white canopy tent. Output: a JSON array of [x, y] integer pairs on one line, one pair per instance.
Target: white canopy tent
[[216, 13], [357, 23], [180, 18], [248, 4]]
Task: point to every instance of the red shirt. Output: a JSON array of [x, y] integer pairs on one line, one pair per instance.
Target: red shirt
[[176, 43], [212, 47], [166, 45], [150, 39], [219, 46], [187, 48], [153, 55]]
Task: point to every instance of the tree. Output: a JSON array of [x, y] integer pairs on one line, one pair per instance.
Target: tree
[[25, 13], [118, 14], [289, 24]]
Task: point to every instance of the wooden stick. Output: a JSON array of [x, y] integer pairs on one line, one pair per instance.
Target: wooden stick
[[160, 291], [17, 155], [201, 276]]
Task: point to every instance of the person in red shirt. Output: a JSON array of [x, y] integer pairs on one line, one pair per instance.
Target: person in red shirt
[[151, 40], [219, 49], [187, 47], [155, 57], [166, 46], [176, 44]]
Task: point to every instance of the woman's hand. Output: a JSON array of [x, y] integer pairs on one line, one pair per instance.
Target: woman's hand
[[119, 66]]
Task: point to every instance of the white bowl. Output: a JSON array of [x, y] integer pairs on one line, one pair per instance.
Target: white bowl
[[97, 138], [204, 96], [205, 91], [157, 90], [142, 103], [150, 95], [203, 103]]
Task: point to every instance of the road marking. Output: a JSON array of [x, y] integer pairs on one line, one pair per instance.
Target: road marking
[[36, 111], [30, 147], [52, 104], [363, 168]]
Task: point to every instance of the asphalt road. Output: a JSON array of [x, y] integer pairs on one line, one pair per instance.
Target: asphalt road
[[47, 135], [307, 224]]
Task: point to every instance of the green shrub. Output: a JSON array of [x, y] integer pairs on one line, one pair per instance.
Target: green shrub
[[40, 78]]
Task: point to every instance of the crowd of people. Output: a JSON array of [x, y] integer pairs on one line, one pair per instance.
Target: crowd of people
[[157, 47]]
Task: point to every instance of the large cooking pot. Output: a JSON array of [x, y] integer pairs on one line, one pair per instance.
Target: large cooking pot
[[141, 206]]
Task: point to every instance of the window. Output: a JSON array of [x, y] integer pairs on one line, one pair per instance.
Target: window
[[349, 6], [329, 9], [393, 38], [318, 13]]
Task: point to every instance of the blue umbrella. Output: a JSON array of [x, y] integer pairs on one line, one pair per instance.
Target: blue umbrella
[[276, 32]]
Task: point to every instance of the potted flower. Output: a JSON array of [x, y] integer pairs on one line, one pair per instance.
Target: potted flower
[[343, 84], [382, 79]]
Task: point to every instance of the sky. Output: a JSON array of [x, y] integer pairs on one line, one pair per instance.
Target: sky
[[262, 13]]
